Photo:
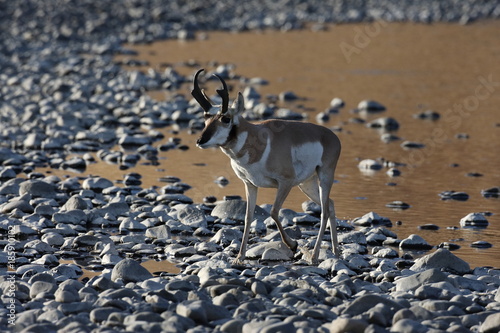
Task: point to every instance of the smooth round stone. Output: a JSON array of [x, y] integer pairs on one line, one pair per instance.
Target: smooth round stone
[[369, 164], [415, 242], [74, 217], [385, 123], [21, 205], [76, 202], [96, 184], [100, 314], [42, 288], [481, 245], [370, 106], [130, 270], [37, 188]]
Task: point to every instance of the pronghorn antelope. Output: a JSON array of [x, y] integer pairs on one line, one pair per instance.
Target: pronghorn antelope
[[274, 153]]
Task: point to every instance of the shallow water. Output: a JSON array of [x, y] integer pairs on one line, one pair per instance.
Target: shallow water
[[409, 68]]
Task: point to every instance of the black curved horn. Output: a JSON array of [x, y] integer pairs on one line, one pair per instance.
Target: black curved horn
[[224, 94], [198, 94]]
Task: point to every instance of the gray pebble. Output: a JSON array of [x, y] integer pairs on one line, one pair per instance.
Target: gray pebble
[[414, 242], [384, 123], [414, 281], [37, 188], [42, 289], [130, 270], [370, 106]]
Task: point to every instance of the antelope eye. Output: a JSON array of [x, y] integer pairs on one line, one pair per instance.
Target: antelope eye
[[226, 120]]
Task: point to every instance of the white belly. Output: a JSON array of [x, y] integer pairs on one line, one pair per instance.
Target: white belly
[[255, 174], [304, 160]]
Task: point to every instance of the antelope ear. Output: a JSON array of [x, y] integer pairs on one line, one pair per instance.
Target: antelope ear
[[238, 105]]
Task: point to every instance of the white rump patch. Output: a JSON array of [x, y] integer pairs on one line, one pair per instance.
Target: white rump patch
[[306, 158]]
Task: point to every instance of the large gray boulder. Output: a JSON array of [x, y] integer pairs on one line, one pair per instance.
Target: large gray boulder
[[130, 271], [442, 259], [412, 282], [236, 209]]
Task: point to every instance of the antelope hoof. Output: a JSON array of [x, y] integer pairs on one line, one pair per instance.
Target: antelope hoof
[[239, 260], [308, 256], [292, 245]]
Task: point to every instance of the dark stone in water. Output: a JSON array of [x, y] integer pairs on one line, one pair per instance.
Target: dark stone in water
[[474, 174], [232, 197], [452, 195], [493, 192], [384, 123], [398, 205], [428, 227], [210, 199], [169, 179], [449, 246], [412, 145], [476, 220], [481, 245], [427, 115]]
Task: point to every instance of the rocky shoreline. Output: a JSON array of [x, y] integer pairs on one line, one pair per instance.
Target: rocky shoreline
[[372, 288], [63, 94]]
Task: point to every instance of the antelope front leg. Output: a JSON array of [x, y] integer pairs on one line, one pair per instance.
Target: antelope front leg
[[251, 193], [283, 191]]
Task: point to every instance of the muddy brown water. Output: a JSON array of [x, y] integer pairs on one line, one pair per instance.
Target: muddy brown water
[[409, 68]]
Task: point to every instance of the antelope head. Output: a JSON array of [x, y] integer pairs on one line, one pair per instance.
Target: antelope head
[[220, 120]]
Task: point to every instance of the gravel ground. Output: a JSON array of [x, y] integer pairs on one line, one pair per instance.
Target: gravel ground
[[61, 93]]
